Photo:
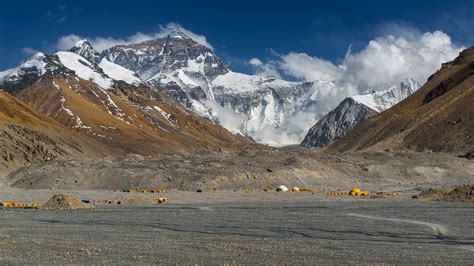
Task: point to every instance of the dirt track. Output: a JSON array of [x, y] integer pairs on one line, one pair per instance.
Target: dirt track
[[217, 228]]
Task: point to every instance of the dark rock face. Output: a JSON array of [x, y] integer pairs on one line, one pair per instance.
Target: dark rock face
[[337, 123]]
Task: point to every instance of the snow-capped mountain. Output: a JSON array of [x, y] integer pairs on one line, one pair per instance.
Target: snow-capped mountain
[[109, 102], [353, 110], [271, 111], [105, 74], [29, 70], [265, 109], [382, 100]]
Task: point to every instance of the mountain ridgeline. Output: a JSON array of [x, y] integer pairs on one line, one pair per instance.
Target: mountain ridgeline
[[174, 95], [108, 103], [268, 110]]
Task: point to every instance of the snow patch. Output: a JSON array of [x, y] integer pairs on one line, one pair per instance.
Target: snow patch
[[186, 79], [163, 113], [56, 86], [80, 124], [119, 72], [84, 69], [67, 110]]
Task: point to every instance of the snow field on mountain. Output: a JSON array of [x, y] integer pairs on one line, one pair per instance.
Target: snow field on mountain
[[84, 69], [118, 72], [382, 100]]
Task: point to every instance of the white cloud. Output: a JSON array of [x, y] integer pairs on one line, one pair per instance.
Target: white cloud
[[101, 43], [28, 51], [256, 62], [388, 60], [303, 66], [383, 62], [62, 19], [268, 70], [66, 42], [226, 116], [175, 26]]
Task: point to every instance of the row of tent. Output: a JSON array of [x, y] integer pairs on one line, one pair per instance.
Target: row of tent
[[143, 190], [283, 188], [353, 192], [21, 205]]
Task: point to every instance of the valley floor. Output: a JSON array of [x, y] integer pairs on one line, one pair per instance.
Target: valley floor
[[233, 225], [237, 227]]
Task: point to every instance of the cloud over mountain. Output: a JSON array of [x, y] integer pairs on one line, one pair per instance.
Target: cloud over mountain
[[101, 43], [383, 62]]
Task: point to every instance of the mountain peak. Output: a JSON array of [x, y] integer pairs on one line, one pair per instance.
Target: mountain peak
[[37, 56], [177, 34], [34, 66], [82, 43], [84, 49]]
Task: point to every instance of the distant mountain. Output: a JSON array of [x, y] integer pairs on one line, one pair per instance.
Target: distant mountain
[[337, 123], [262, 108], [438, 117], [110, 103], [353, 110]]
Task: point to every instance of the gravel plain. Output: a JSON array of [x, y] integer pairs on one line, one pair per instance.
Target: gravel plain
[[242, 228]]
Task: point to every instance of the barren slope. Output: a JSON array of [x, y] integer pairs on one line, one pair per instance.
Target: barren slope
[[126, 118], [28, 137]]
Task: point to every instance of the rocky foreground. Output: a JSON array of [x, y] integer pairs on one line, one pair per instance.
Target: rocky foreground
[[244, 228]]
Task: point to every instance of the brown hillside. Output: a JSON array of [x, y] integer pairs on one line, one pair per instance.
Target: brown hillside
[[438, 117], [28, 137], [137, 119]]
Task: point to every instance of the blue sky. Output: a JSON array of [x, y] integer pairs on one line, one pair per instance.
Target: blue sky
[[238, 30]]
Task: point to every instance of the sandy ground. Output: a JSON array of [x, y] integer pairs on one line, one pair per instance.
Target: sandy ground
[[237, 227]]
